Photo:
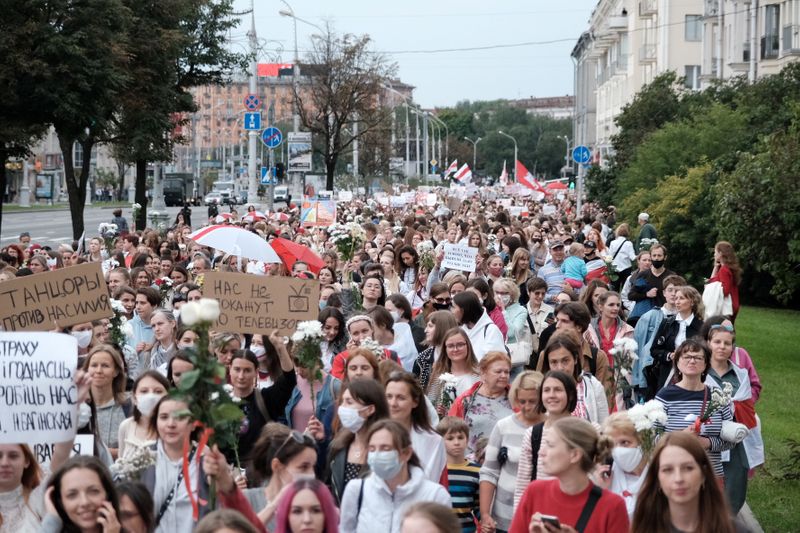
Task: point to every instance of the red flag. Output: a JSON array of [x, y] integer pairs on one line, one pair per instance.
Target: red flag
[[526, 178], [452, 168]]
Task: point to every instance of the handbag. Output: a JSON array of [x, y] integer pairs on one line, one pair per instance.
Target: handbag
[[520, 352], [715, 302]]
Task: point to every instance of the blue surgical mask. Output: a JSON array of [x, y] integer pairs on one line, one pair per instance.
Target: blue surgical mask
[[323, 304], [385, 465]]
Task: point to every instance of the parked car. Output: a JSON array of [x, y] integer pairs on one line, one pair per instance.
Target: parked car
[[213, 197], [281, 194]]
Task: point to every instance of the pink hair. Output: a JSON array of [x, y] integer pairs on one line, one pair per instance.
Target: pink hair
[[325, 500]]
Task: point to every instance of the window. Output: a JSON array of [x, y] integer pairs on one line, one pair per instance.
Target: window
[[770, 43], [77, 155], [694, 28], [692, 74]]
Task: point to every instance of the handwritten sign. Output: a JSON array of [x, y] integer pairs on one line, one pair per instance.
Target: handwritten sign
[[67, 296], [549, 209], [459, 257], [345, 196], [261, 304], [37, 387], [83, 445]]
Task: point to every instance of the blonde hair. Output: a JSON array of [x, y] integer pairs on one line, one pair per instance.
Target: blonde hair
[[619, 423], [527, 380], [491, 358], [510, 286], [576, 249], [687, 291], [579, 434]]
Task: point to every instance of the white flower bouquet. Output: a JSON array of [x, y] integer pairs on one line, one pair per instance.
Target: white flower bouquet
[[206, 310], [118, 330], [136, 461], [649, 419], [624, 354], [349, 239], [448, 392], [720, 397], [307, 352]]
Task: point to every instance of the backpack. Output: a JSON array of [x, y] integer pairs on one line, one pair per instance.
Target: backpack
[[536, 443]]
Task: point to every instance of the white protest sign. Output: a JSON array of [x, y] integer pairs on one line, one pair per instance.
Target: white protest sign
[[345, 196], [397, 201], [515, 210], [549, 209], [459, 257], [431, 199], [409, 197], [505, 202], [37, 387], [83, 445]]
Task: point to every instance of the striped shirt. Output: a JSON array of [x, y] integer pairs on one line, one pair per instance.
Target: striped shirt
[[464, 484], [552, 274], [680, 403]]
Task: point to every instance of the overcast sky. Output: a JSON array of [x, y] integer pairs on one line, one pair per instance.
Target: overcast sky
[[399, 28]]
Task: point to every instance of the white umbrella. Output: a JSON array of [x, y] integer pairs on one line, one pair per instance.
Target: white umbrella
[[254, 216], [236, 241], [224, 217]]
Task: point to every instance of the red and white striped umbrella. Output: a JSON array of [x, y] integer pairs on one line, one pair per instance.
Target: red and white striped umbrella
[[279, 217], [236, 241], [223, 218], [254, 216]]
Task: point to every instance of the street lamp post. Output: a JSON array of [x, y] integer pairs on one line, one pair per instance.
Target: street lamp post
[[566, 155], [252, 136], [474, 150], [516, 151]]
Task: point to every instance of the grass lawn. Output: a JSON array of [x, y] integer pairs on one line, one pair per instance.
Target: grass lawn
[[771, 337]]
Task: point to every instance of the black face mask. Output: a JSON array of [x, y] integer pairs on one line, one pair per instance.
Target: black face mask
[[441, 307], [658, 263]]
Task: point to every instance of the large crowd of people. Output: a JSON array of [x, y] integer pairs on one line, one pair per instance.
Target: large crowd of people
[[502, 398]]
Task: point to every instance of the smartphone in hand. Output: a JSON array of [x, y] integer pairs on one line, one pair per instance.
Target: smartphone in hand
[[552, 520]]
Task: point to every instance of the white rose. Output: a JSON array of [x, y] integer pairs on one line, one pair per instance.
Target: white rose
[[208, 310], [190, 313]]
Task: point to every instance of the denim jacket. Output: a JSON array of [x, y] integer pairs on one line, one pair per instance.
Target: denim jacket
[[644, 334]]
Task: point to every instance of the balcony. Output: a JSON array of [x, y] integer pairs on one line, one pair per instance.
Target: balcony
[[791, 39], [770, 46], [647, 53], [711, 8], [648, 8], [619, 23]]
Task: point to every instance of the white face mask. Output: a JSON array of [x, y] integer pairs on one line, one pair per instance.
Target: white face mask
[[83, 338], [395, 315], [506, 299], [259, 351], [147, 402], [627, 458], [350, 418]]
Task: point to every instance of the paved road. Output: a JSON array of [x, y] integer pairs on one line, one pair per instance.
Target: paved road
[[55, 227]]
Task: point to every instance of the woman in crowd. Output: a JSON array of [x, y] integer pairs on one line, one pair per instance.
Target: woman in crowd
[[407, 406], [563, 353], [307, 507], [622, 254], [407, 265], [591, 294], [396, 480], [487, 401], [362, 404], [405, 330], [177, 367], [141, 278], [280, 456], [728, 272], [643, 264], [749, 453], [180, 275], [391, 279], [327, 277], [38, 264], [540, 314], [499, 470], [372, 293], [558, 396], [360, 328], [520, 273], [680, 492], [429, 517], [515, 315], [335, 335], [95, 254], [81, 497], [458, 360], [269, 364], [688, 397], [136, 431], [107, 395], [486, 295], [361, 364], [673, 331], [260, 405], [539, 249], [571, 449], [225, 521], [483, 334], [225, 345], [629, 467], [299, 413], [739, 357], [437, 325], [606, 328], [494, 268], [136, 513], [155, 356]]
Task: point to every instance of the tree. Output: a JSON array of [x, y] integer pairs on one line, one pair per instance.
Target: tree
[[347, 80], [758, 209]]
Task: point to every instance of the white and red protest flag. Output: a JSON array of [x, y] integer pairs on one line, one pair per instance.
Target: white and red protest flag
[[525, 178]]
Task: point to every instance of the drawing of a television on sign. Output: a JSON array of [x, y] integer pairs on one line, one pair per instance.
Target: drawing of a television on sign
[[299, 302]]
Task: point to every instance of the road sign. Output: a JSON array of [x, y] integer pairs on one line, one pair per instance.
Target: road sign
[[272, 137], [252, 121], [252, 102], [581, 155], [268, 177]]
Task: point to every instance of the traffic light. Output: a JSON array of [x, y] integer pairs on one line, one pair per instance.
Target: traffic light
[[280, 171]]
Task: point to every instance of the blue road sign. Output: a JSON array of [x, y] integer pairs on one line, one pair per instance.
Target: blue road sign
[[581, 155], [272, 137], [252, 121], [252, 102], [268, 177]]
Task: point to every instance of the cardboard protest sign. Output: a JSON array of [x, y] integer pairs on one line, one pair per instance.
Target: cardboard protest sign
[[83, 445], [318, 212], [37, 387], [459, 257], [67, 296], [261, 304]]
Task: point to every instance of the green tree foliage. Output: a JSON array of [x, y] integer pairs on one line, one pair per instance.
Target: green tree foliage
[[758, 209]]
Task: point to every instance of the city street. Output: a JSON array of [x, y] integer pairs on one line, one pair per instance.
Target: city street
[[55, 227]]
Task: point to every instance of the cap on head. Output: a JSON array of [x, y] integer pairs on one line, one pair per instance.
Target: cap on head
[[556, 244], [644, 216], [590, 244]]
